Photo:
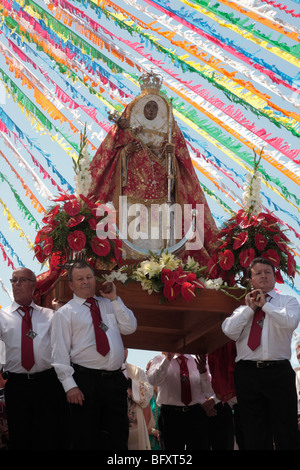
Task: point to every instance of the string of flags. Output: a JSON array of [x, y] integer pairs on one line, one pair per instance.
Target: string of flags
[[231, 68]]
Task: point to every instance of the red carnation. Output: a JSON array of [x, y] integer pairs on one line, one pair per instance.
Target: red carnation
[[278, 277], [280, 243], [212, 266], [77, 240], [187, 291], [49, 216], [291, 265], [243, 221], [240, 240], [48, 245], [89, 202], [42, 234], [48, 228], [110, 231], [239, 216], [226, 243], [191, 277], [246, 223], [40, 256], [38, 237], [56, 259], [181, 276], [168, 276], [260, 241], [100, 247], [228, 229], [93, 223], [267, 217], [199, 284], [273, 256], [270, 227], [171, 291], [75, 220], [226, 260], [246, 256], [284, 237], [72, 207]]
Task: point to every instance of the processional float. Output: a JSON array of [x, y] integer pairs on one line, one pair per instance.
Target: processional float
[[180, 296]]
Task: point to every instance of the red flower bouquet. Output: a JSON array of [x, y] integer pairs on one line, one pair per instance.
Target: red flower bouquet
[[245, 237], [71, 229], [251, 233]]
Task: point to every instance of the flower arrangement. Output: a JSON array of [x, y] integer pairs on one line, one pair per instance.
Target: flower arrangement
[[167, 275], [249, 234], [70, 230], [81, 167]]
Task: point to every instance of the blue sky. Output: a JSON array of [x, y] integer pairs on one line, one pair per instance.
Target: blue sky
[[248, 53]]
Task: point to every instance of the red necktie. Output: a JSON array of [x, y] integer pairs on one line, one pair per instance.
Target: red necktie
[[186, 394], [99, 327], [27, 340], [256, 328]]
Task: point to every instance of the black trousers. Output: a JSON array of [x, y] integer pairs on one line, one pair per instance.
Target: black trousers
[[101, 423], [183, 428], [221, 428], [37, 412], [267, 403]]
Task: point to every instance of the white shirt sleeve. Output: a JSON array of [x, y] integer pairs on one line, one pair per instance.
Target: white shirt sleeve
[[61, 337], [158, 370], [235, 324], [125, 318]]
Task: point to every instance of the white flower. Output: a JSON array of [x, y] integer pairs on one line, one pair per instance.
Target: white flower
[[251, 196], [168, 261], [116, 276], [150, 268], [82, 176], [146, 285], [191, 265], [213, 283]]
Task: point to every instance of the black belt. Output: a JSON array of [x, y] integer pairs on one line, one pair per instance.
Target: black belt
[[263, 364], [36, 376], [101, 372], [182, 409]]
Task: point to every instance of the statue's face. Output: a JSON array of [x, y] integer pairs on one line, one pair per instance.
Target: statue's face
[[150, 110]]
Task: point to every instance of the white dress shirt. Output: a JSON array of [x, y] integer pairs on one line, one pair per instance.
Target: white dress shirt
[[10, 334], [73, 337], [282, 315], [165, 375]]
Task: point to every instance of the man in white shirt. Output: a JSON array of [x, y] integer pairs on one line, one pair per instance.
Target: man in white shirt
[[183, 426], [35, 402], [264, 378], [94, 383]]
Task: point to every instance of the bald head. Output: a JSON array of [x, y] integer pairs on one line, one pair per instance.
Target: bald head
[[23, 285]]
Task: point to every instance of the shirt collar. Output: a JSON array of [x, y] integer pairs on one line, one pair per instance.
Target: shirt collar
[[80, 300], [187, 356], [15, 306], [272, 293]]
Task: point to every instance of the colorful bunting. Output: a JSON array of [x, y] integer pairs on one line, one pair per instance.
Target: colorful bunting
[[232, 69]]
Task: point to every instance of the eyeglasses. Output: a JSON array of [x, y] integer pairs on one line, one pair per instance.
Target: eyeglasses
[[20, 279]]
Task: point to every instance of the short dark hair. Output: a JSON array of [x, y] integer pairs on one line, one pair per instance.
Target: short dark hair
[[261, 260], [78, 265]]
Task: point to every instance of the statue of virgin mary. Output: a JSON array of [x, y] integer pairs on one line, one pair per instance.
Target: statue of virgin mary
[[144, 161]]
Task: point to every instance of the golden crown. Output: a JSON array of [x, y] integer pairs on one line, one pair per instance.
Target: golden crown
[[150, 80], [114, 116]]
